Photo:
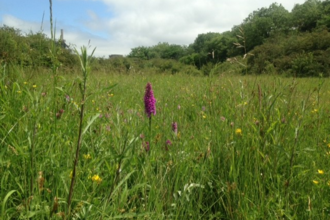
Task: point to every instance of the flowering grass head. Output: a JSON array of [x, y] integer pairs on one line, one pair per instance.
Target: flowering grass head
[[149, 101]]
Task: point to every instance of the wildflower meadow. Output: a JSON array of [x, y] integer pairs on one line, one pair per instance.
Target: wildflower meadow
[[154, 146], [88, 143]]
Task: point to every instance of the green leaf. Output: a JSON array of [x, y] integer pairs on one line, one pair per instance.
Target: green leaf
[[4, 203], [121, 183], [91, 122]]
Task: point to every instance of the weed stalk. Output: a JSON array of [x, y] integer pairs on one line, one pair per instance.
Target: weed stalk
[[84, 61]]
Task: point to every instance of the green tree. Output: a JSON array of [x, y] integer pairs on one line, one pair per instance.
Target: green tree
[[9, 38], [222, 46], [140, 52], [263, 23], [204, 47], [168, 51], [305, 16], [325, 17]]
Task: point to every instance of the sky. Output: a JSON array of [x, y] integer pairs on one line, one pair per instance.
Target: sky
[[117, 26]]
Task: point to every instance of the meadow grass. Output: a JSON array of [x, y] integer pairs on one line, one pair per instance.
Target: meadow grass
[[246, 147]]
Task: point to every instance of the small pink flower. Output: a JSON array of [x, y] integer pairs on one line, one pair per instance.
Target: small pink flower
[[58, 115], [146, 146], [175, 128], [167, 144], [67, 98]]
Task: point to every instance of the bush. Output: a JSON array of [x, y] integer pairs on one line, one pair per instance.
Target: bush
[[227, 67], [299, 54]]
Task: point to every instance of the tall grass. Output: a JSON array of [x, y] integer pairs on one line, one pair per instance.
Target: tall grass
[[246, 148]]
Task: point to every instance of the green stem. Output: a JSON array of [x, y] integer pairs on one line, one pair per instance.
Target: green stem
[[149, 132]]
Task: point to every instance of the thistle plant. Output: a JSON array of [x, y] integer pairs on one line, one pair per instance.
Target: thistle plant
[[149, 105]]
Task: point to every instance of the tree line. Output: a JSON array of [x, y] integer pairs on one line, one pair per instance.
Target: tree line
[[270, 39]]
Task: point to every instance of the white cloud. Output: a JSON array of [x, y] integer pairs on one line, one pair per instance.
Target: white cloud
[[24, 26], [146, 22]]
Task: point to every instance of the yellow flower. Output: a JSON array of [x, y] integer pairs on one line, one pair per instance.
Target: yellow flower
[[204, 116], [34, 86], [25, 83], [19, 92], [328, 183], [328, 145], [315, 110], [315, 182], [87, 156], [96, 179], [320, 171], [238, 131]]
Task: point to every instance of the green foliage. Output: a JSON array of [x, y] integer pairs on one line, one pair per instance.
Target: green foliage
[[298, 54], [230, 67], [31, 50], [161, 50], [325, 17], [9, 38], [260, 28], [263, 23], [140, 52], [305, 16], [222, 46], [206, 69]]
